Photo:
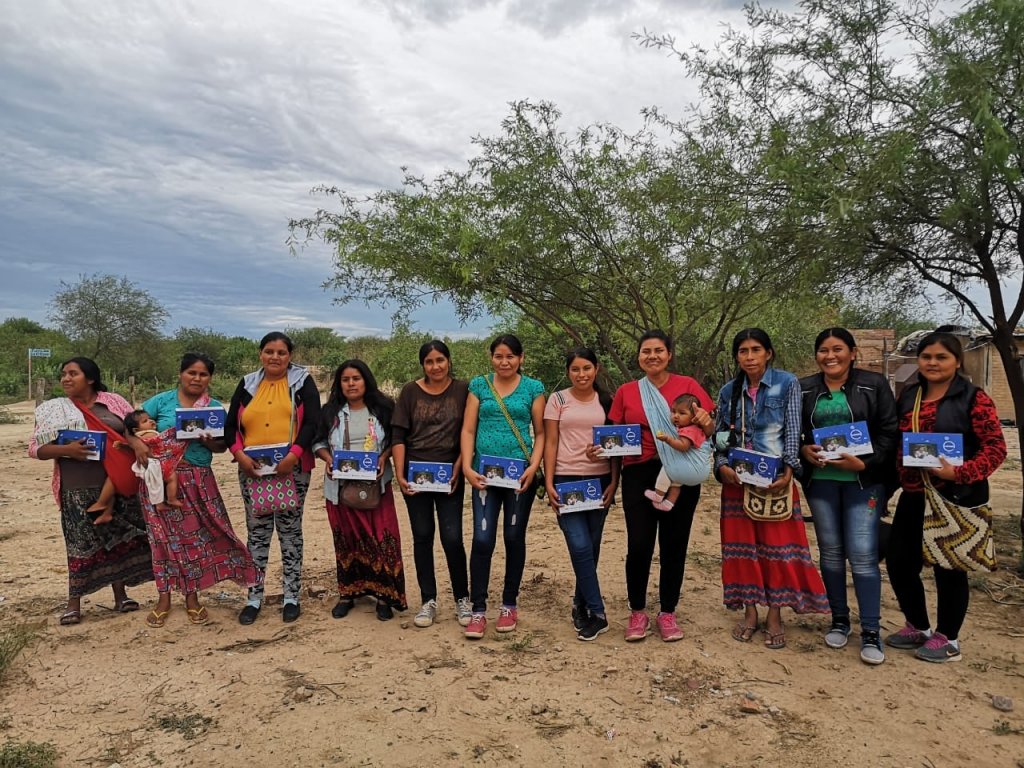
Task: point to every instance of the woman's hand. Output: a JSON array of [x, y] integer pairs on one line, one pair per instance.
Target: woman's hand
[[286, 465], [456, 476], [213, 444], [554, 501], [781, 482], [75, 450], [608, 496], [703, 419], [527, 478], [594, 453], [245, 464], [812, 455], [847, 462], [475, 479], [728, 475], [403, 484], [946, 472]]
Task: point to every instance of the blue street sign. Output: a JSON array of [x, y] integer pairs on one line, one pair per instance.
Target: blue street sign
[[38, 352]]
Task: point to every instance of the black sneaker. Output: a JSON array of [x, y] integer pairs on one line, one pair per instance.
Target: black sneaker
[[384, 611], [580, 616], [596, 625]]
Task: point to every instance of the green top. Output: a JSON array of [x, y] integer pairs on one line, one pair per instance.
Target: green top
[[831, 412]]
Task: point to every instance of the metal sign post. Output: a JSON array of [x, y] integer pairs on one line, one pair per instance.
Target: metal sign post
[[34, 353]]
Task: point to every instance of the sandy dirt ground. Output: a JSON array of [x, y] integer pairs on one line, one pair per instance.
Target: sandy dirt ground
[[359, 692]]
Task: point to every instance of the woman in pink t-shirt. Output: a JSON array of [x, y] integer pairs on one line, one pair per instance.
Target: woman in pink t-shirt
[[569, 420]]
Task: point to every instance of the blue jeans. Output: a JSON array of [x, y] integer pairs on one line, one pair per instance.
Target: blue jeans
[[582, 531], [846, 523], [421, 507], [485, 533]]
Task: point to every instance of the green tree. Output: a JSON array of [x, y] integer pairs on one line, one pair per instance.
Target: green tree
[[114, 322], [592, 238], [901, 134]]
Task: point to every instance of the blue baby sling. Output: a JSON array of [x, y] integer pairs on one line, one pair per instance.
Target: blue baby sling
[[690, 467]]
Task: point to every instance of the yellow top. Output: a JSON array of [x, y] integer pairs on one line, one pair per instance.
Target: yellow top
[[266, 418]]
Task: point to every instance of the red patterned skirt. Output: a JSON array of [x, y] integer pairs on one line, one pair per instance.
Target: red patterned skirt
[[368, 549], [767, 563], [194, 546]]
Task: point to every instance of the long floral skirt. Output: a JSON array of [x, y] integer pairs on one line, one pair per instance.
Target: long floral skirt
[[100, 555], [194, 546], [368, 549]]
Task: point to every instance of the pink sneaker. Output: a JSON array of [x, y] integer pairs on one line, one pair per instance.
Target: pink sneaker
[[507, 618], [653, 496], [477, 626], [639, 626], [668, 629]]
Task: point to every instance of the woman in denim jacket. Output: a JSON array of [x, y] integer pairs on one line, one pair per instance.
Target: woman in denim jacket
[[763, 563]]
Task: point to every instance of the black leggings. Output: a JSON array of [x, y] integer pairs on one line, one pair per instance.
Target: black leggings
[[904, 561], [644, 525]]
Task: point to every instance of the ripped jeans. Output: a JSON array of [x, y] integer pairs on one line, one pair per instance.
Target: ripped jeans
[[516, 508]]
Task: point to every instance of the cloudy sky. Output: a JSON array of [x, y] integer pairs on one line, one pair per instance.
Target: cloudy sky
[[172, 142]]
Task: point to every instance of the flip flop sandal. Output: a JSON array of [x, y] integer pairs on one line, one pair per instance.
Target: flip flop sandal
[[775, 641], [743, 633], [127, 605], [198, 615], [70, 617], [157, 619]]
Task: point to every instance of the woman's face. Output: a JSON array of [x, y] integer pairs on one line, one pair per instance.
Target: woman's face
[[74, 383], [653, 357], [505, 362], [834, 358], [436, 366], [581, 373], [274, 358], [353, 385], [936, 364], [753, 358], [195, 379]]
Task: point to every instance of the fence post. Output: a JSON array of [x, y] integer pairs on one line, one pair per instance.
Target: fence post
[[41, 388]]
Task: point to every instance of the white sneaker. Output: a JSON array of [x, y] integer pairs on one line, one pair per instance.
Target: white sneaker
[[426, 615], [464, 610]]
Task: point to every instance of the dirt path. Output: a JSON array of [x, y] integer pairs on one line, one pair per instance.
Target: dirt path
[[359, 692]]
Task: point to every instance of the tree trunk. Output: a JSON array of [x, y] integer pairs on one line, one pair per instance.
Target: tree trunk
[[1006, 345]]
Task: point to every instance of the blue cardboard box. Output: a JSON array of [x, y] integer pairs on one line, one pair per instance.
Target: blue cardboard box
[[94, 440], [852, 439], [579, 496], [753, 467], [502, 472], [193, 423], [618, 439], [429, 476], [266, 457], [923, 449], [355, 465]]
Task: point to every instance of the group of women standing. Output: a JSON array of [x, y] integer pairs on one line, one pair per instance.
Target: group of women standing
[[439, 418]]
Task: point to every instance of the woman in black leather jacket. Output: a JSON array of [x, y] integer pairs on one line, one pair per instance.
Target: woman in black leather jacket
[[848, 495]]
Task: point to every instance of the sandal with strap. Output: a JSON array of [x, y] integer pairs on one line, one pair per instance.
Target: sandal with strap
[[198, 615], [743, 632], [775, 641], [157, 619], [70, 616]]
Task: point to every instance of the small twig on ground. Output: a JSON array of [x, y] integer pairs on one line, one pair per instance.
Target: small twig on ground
[[247, 645], [784, 667], [756, 680]]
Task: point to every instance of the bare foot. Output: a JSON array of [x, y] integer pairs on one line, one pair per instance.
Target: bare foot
[[174, 503], [162, 506], [99, 506], [103, 519]]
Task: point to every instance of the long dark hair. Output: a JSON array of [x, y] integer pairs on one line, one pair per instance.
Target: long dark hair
[[512, 342], [379, 404], [586, 353], [747, 334], [90, 370]]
